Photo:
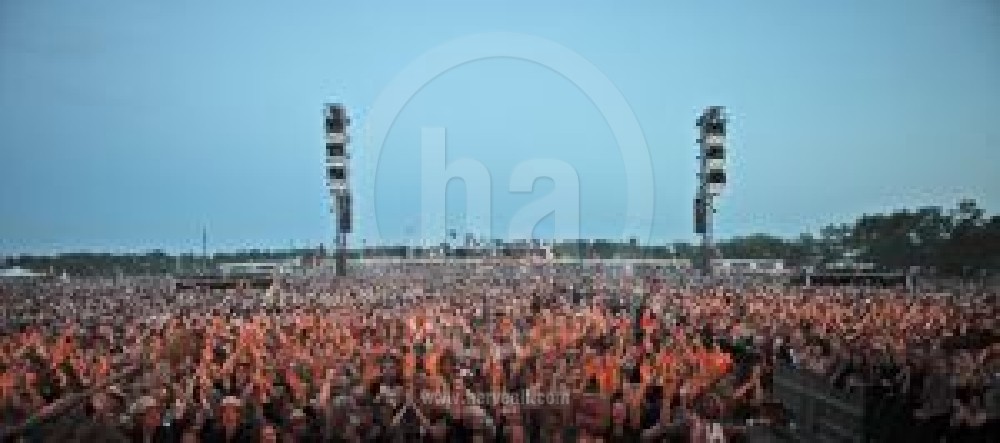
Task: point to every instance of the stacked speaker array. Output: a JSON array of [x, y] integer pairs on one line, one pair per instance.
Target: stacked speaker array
[[711, 178], [712, 175], [337, 176], [713, 139]]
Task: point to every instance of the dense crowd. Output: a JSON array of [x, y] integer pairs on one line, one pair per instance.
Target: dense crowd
[[512, 353]]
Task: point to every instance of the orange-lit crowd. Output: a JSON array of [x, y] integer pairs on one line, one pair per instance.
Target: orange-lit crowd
[[441, 356]]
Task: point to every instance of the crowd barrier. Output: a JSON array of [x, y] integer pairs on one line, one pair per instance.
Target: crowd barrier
[[55, 419], [818, 411]]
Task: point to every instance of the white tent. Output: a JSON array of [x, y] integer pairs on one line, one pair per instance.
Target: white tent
[[19, 273]]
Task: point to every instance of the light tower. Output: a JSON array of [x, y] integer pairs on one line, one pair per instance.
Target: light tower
[[711, 177], [337, 160]]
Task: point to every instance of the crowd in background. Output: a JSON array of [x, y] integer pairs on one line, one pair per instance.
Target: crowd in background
[[511, 353]]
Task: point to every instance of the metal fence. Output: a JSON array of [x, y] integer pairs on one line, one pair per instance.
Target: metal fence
[[819, 411]]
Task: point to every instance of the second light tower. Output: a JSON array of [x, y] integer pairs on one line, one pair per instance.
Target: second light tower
[[711, 178], [337, 161]]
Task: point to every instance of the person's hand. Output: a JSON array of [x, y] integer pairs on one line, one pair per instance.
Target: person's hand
[[199, 419], [978, 419], [180, 406], [666, 414]]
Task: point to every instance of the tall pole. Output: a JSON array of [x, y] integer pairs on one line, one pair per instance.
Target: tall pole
[[341, 253], [204, 249], [707, 241]]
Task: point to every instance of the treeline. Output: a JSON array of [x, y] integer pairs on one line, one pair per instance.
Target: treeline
[[958, 241], [961, 241]]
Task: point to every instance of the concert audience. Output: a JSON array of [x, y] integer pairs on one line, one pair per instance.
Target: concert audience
[[506, 353]]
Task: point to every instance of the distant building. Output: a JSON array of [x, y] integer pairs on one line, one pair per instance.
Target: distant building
[[750, 266], [257, 275], [850, 266], [271, 268], [17, 273]]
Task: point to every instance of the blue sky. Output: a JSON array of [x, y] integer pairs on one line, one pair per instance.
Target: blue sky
[[129, 125]]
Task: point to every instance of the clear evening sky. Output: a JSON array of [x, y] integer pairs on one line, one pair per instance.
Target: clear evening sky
[[129, 125]]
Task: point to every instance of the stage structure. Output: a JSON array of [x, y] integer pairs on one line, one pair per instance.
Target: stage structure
[[337, 178], [711, 178]]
